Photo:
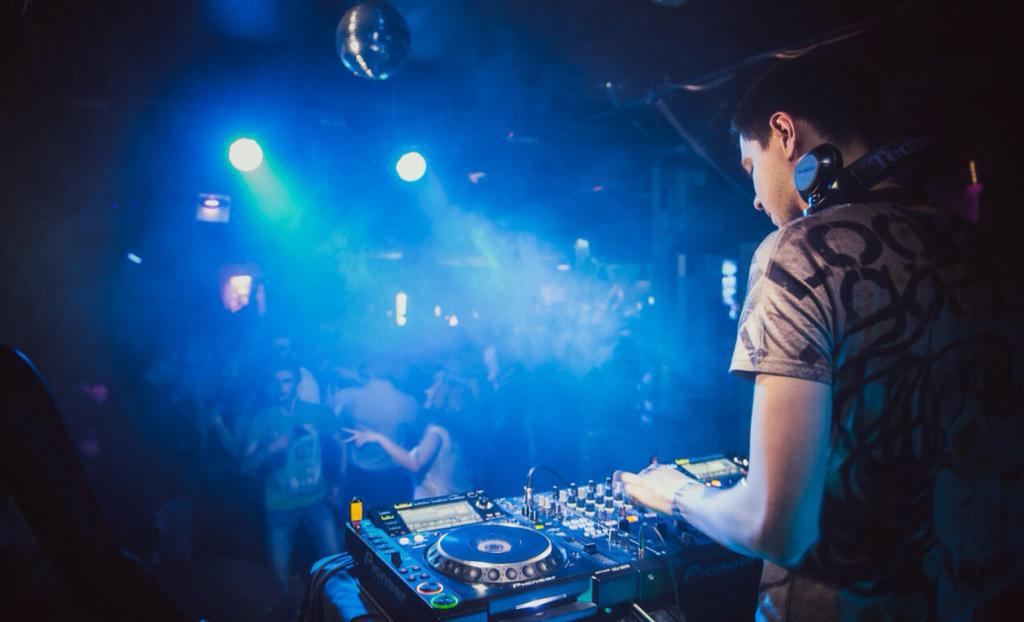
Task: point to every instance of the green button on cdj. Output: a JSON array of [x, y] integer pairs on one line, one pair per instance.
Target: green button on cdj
[[443, 601]]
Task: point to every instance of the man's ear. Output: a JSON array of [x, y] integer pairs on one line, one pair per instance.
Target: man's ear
[[784, 127]]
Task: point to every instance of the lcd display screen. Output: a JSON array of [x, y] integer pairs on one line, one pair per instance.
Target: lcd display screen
[[433, 517], [712, 469]]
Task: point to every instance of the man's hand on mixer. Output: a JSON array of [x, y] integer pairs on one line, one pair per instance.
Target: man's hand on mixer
[[656, 486]]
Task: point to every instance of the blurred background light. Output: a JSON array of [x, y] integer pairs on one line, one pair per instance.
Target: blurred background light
[[213, 208], [730, 287], [401, 306], [237, 292]]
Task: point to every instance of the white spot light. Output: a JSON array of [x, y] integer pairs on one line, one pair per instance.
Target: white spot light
[[245, 154], [411, 167]]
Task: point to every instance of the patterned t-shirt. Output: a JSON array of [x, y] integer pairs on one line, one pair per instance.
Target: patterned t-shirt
[[909, 315], [295, 479]]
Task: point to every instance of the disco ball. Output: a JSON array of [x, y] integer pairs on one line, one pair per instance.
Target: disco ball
[[372, 40]]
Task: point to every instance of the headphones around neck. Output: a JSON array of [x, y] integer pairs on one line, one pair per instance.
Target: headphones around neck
[[822, 181]]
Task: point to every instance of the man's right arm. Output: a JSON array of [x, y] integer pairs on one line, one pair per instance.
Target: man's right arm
[[774, 513]]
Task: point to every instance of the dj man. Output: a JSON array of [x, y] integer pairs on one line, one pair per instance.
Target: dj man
[[886, 460]]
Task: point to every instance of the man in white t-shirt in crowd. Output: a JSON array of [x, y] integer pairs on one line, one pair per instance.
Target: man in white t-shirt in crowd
[[371, 403]]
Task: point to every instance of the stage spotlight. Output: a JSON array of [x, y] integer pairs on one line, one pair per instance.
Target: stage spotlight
[[411, 166], [245, 154]]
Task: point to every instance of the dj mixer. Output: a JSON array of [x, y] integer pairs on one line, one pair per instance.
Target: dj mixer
[[566, 553]]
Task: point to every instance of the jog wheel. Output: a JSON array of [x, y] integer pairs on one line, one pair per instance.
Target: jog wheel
[[494, 554]]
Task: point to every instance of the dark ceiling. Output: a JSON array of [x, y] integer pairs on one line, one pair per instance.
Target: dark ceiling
[[571, 84], [530, 66]]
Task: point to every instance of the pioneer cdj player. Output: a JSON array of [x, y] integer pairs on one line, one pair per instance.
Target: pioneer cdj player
[[562, 554]]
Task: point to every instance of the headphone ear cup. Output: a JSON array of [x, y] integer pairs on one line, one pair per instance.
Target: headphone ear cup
[[816, 171]]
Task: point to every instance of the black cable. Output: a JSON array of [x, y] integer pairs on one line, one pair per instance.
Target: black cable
[[695, 146], [343, 562], [671, 573], [534, 469], [644, 616]]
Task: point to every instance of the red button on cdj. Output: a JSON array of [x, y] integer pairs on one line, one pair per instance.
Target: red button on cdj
[[429, 587]]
